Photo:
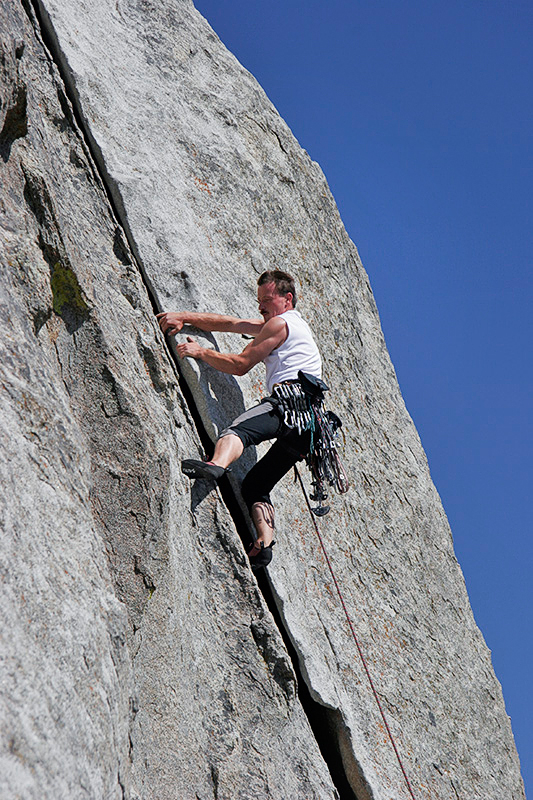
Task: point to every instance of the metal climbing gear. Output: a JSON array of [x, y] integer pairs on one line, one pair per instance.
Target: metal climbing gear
[[293, 405], [301, 404], [323, 457]]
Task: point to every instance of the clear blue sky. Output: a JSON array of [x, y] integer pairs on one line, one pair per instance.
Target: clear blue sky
[[420, 114]]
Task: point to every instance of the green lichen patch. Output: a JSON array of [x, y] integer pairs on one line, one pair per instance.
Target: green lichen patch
[[68, 299]]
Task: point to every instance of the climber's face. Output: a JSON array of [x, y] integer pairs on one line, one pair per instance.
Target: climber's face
[[270, 302]]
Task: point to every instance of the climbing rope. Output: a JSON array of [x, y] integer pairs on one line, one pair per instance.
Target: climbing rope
[[356, 640]]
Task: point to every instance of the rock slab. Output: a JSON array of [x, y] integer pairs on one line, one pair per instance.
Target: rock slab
[[137, 657], [172, 182]]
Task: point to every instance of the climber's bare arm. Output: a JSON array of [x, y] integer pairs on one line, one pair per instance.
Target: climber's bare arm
[[171, 322], [273, 333]]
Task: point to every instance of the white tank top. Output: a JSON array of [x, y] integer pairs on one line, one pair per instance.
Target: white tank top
[[298, 351]]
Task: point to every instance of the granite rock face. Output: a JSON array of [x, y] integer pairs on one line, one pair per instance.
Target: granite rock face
[[139, 659], [144, 169]]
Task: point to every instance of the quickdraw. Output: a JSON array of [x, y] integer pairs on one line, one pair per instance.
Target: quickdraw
[[301, 403], [293, 404], [323, 459]]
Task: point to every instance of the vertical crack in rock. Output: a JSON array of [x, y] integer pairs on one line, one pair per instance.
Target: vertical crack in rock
[[327, 724], [74, 113]]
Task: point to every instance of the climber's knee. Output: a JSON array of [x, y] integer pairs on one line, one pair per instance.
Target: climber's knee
[[252, 492]]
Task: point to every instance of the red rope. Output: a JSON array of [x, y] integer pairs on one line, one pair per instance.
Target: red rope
[[356, 640]]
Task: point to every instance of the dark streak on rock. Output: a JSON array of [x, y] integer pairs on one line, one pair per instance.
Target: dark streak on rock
[[15, 122]]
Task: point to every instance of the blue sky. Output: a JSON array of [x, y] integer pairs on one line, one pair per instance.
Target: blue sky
[[420, 114]]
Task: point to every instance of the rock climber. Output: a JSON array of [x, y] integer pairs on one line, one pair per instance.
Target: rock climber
[[284, 342]]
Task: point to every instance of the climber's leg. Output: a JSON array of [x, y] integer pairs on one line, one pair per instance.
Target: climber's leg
[[227, 450], [262, 478], [252, 427], [263, 518]]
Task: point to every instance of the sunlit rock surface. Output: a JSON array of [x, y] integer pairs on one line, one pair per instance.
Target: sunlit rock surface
[[139, 659]]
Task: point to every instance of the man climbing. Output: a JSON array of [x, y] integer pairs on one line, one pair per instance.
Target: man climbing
[[283, 341]]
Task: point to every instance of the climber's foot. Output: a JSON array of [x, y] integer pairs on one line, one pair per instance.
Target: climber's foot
[[201, 469], [259, 555]]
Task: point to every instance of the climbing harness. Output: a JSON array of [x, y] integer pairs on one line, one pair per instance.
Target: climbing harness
[[293, 405], [352, 629], [301, 404]]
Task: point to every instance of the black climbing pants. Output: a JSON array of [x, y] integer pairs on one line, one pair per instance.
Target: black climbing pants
[[256, 425]]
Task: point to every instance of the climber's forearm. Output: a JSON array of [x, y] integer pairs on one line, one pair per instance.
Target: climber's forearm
[[272, 334], [172, 322], [216, 322], [231, 363]]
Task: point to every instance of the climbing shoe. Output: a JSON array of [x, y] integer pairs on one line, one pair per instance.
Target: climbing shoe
[[201, 469], [259, 555]]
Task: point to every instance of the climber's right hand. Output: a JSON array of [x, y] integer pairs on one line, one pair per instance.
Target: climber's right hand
[[170, 322]]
